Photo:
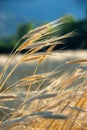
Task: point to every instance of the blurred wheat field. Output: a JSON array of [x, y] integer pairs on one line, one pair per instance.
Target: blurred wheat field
[[50, 63], [43, 90]]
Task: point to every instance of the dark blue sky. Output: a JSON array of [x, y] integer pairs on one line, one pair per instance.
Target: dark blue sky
[[16, 12]]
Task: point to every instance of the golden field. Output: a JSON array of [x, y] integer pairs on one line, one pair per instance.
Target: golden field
[[43, 90]]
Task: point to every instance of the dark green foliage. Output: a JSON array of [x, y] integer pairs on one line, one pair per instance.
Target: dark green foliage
[[79, 41], [7, 44], [23, 29]]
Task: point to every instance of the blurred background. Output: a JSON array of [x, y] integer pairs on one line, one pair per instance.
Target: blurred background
[[19, 16]]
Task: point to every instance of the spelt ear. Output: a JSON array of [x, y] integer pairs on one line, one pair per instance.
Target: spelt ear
[[7, 97], [77, 61], [29, 41]]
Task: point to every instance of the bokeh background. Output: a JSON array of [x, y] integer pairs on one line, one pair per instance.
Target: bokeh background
[[19, 16]]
